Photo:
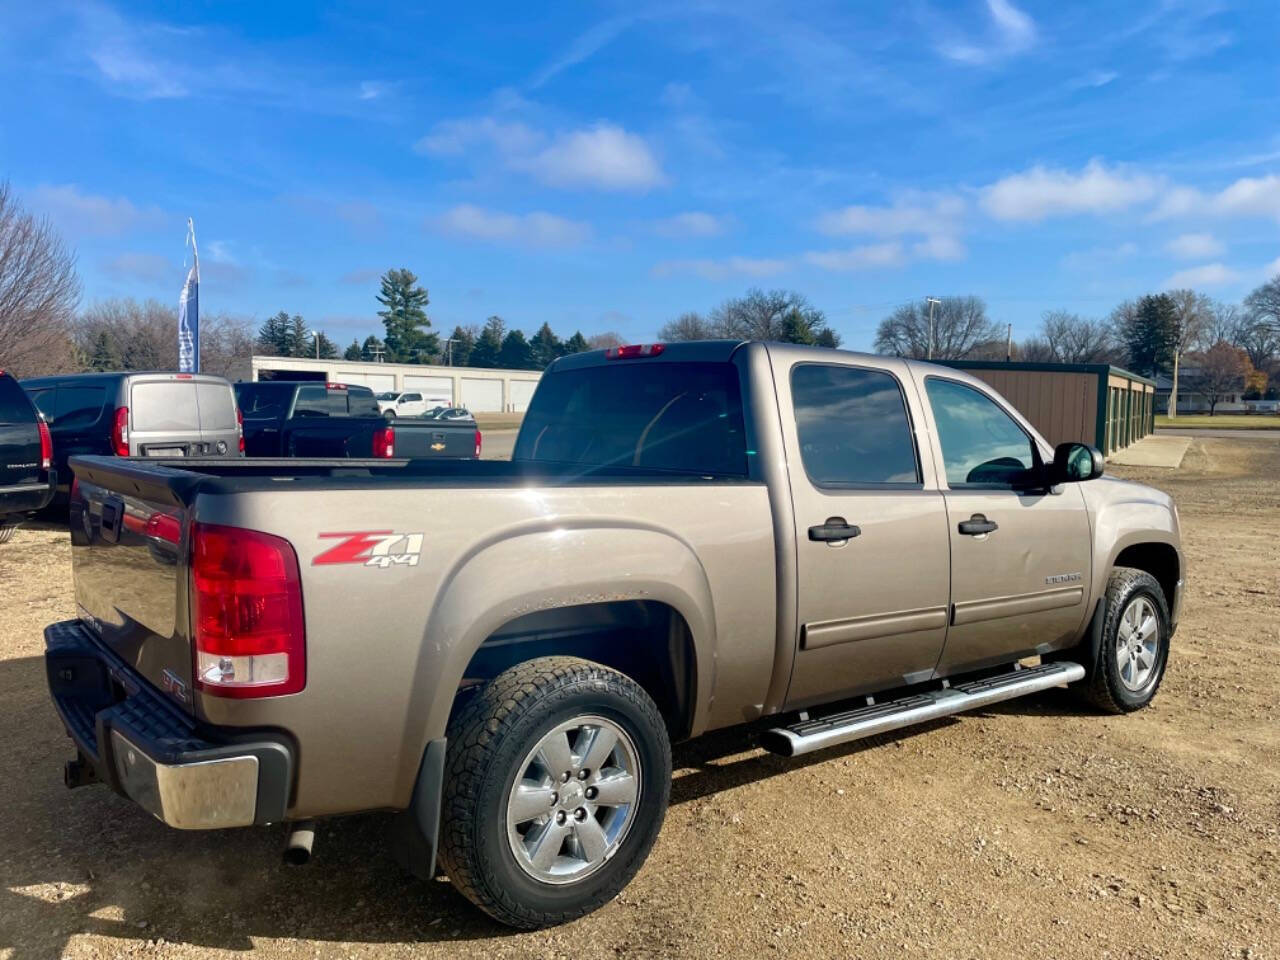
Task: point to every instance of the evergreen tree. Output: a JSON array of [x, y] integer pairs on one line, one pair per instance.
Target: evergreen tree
[[103, 353], [464, 341], [827, 338], [545, 347], [488, 344], [405, 317], [1149, 333], [576, 344], [274, 336], [795, 328], [298, 338], [322, 347], [516, 354], [372, 349], [353, 351]]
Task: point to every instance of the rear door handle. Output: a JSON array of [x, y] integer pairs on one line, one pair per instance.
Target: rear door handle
[[833, 530], [976, 525]]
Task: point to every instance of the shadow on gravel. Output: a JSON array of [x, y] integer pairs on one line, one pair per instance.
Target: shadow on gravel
[[89, 862]]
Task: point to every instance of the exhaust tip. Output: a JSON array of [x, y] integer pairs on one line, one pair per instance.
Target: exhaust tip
[[297, 849]]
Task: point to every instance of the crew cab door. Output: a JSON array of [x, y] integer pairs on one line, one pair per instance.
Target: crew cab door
[[871, 529], [1020, 556]]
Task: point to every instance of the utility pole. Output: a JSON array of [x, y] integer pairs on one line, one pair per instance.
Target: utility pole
[[929, 350], [1008, 349], [448, 350]]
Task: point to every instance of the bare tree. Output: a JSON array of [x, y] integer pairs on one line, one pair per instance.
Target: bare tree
[[1071, 338], [226, 346], [1217, 373], [39, 291], [960, 327], [1192, 313], [687, 326], [599, 341], [122, 334], [1224, 323]]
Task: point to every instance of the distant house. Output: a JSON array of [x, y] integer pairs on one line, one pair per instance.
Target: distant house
[[1189, 401]]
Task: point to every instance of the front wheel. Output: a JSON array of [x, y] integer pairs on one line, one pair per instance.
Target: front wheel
[[1134, 649], [556, 785]]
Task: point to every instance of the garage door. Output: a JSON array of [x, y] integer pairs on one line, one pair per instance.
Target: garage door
[[482, 396], [378, 382], [430, 386], [521, 394]]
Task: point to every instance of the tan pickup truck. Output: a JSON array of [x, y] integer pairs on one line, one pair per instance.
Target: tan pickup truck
[[690, 537]]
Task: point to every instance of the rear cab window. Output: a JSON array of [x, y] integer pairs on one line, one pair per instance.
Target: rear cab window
[[680, 417], [320, 400], [853, 427]]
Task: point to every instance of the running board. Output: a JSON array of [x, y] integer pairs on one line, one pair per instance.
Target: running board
[[807, 736]]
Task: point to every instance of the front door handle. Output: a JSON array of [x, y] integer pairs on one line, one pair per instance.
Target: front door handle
[[977, 525], [833, 530]]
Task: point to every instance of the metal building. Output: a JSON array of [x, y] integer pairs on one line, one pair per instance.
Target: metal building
[[480, 390], [1091, 403]]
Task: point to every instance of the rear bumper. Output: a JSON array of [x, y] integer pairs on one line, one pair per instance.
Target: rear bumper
[[26, 498], [186, 774]]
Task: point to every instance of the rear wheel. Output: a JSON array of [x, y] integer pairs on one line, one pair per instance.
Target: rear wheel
[[1134, 649], [556, 784]]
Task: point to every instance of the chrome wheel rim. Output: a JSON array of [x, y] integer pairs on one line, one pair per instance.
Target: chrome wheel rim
[[573, 800], [1137, 643]]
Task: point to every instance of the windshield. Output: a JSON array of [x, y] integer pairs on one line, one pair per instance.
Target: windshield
[[685, 417], [388, 396]]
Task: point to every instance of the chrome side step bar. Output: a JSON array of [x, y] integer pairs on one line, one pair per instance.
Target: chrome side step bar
[[807, 736]]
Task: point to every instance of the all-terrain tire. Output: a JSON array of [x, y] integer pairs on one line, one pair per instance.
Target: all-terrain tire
[[489, 740], [1104, 685]]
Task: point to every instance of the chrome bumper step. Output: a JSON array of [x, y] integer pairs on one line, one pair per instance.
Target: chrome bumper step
[[807, 736]]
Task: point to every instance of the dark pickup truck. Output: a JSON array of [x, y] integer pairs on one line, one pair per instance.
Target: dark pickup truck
[[312, 419], [27, 476]]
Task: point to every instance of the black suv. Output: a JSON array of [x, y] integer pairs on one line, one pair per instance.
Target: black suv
[[27, 478]]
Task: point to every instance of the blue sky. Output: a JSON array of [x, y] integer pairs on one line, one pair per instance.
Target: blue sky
[[607, 166]]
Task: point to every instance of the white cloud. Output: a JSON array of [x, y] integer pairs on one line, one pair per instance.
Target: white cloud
[[1044, 192], [866, 257], [583, 47], [940, 246], [373, 89], [1208, 275], [1094, 78], [1099, 257], [910, 214], [1246, 197], [219, 251], [1014, 32], [1195, 246], [454, 137], [693, 223], [538, 229], [605, 157], [1272, 269], [77, 212], [720, 269]]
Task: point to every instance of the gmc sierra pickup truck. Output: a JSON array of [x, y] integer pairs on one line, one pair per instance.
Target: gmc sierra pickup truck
[[692, 536]]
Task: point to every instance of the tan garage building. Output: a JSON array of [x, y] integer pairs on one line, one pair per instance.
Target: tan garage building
[[1090, 403]]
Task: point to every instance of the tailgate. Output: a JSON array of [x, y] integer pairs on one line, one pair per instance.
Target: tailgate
[[129, 560], [435, 438]]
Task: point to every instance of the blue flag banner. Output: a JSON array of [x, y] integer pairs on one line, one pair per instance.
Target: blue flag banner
[[189, 313]]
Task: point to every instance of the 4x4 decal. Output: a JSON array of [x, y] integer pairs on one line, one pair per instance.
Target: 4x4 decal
[[372, 548]]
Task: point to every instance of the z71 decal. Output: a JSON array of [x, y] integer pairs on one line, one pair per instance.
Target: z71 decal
[[372, 548]]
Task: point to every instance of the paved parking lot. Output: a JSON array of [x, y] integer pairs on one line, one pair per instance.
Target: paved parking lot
[[1033, 829]]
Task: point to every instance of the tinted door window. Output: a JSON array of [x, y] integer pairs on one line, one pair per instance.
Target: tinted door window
[[44, 399], [78, 406], [853, 426], [981, 444], [320, 401], [360, 402], [164, 405], [684, 417]]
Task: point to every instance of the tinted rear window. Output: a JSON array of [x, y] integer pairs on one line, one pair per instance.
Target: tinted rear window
[[360, 402], [320, 401], [163, 405], [14, 405], [685, 417], [263, 400]]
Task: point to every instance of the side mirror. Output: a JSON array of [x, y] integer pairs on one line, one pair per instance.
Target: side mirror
[[1075, 462]]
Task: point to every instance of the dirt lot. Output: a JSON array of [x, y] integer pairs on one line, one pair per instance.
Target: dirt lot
[[1031, 830]]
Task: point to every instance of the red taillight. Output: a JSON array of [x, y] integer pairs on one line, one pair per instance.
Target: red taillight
[[384, 443], [246, 613], [479, 440], [335, 386], [240, 427], [635, 350], [120, 432], [46, 446]]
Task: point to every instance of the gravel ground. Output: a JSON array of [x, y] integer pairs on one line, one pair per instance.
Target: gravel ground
[[1034, 829]]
